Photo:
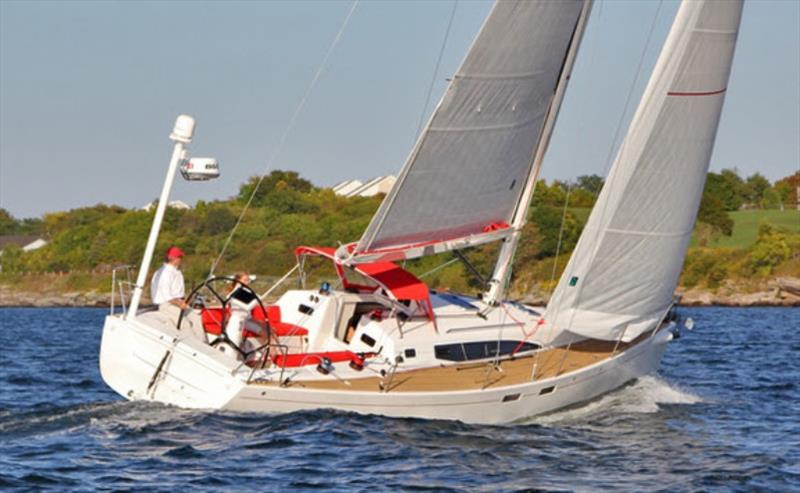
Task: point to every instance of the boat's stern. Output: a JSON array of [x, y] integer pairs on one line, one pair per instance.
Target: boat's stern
[[118, 365], [141, 361]]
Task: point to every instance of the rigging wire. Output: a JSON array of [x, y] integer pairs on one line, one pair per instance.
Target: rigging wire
[[560, 237], [298, 109], [631, 88], [436, 69], [581, 129], [438, 268]]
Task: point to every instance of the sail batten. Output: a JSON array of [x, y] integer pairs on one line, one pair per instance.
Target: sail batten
[[470, 166], [501, 126], [507, 76], [624, 269]]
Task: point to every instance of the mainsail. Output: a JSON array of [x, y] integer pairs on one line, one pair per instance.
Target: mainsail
[[466, 175], [622, 274]]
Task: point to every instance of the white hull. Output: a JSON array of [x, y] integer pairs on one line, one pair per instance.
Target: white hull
[[194, 375]]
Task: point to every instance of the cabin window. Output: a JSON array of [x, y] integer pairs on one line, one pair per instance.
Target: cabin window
[[410, 353], [449, 352], [369, 341], [469, 351]]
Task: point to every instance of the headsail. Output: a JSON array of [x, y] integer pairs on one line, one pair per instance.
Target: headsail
[[622, 274], [465, 177]]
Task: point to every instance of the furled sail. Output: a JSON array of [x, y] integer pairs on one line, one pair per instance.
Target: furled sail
[[622, 274], [465, 176]]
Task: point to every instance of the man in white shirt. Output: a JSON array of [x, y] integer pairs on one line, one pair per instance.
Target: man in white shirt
[[167, 286]]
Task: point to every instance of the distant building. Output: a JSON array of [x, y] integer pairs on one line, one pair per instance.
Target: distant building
[[172, 204], [355, 188], [26, 242], [347, 186]]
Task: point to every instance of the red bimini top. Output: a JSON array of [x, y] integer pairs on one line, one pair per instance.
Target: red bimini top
[[398, 283]]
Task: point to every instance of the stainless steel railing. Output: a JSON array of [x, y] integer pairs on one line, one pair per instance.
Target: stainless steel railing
[[121, 286]]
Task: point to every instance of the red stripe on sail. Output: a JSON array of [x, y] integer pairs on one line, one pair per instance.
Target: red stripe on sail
[[675, 93]]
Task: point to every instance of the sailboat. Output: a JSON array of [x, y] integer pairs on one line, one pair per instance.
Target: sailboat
[[379, 340]]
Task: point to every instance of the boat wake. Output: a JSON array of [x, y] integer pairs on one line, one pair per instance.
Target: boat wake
[[647, 395], [47, 420]]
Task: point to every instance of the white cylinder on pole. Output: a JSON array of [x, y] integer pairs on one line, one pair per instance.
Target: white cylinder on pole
[[183, 130]]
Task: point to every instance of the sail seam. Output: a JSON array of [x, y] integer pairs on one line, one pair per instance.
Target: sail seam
[[501, 126], [649, 233], [714, 31], [708, 93], [521, 75]]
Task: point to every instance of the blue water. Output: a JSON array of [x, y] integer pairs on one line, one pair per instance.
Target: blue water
[[723, 414]]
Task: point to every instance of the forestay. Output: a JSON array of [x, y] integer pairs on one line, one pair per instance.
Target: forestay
[[623, 272], [465, 176]]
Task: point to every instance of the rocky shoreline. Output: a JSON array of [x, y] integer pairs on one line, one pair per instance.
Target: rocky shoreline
[[770, 293], [10, 298]]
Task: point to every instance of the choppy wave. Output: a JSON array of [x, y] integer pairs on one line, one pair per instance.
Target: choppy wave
[[718, 416]]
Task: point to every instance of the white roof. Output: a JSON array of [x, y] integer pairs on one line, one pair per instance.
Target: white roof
[[172, 204], [380, 184], [345, 187]]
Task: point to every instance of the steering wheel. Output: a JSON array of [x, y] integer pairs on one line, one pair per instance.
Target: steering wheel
[[225, 301]]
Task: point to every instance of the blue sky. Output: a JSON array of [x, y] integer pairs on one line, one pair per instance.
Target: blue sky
[[89, 91]]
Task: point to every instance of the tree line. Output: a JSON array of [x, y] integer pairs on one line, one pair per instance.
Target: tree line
[[288, 210]]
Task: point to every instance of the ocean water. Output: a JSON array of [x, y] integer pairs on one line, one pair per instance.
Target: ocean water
[[723, 414]]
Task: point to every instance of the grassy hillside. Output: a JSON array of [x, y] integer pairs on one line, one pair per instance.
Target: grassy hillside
[[746, 223]]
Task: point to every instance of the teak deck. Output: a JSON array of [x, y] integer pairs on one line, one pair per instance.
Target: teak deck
[[481, 375]]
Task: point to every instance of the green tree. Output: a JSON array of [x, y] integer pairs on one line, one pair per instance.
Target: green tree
[[754, 189], [770, 199], [727, 187], [545, 194], [591, 183], [770, 250], [578, 197], [8, 225], [11, 259], [786, 188], [548, 221], [712, 212], [277, 181], [218, 219]]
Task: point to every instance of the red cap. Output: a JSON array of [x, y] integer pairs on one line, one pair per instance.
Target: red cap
[[174, 252]]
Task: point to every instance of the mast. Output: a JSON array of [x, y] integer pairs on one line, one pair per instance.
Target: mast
[[182, 135], [502, 270]]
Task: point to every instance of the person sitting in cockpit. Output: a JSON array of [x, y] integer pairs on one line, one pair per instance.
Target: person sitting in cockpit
[[242, 301]]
